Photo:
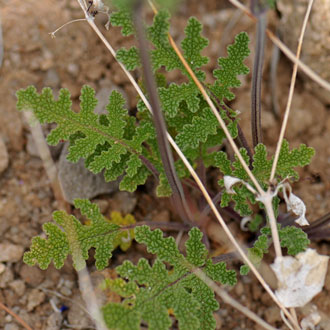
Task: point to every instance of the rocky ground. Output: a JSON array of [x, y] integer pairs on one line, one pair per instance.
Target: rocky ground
[[51, 299]]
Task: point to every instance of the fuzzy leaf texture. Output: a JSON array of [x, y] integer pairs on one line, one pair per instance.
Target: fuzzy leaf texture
[[231, 67], [69, 236], [288, 160], [111, 142], [294, 239], [152, 293], [185, 110], [123, 17]]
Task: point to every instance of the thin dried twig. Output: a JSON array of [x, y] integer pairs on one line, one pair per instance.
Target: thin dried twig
[[88, 294], [292, 84], [47, 160], [15, 316], [230, 301]]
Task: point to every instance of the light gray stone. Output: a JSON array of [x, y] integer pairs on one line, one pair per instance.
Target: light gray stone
[[77, 182]]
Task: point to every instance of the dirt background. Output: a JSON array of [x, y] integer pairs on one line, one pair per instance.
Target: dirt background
[[51, 299]]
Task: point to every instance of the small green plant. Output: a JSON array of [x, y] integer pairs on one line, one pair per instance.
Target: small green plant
[[125, 146]]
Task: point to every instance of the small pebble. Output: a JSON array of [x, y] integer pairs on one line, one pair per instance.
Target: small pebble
[[10, 252], [52, 79], [65, 291], [6, 277], [239, 288], [35, 298], [73, 69], [4, 158], [123, 202], [54, 321], [18, 286], [32, 275], [272, 314], [76, 315], [2, 268], [11, 326]]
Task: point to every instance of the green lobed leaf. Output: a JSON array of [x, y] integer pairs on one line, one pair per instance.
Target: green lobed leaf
[[231, 67], [261, 169], [172, 96], [123, 18], [43, 251], [289, 159], [198, 131], [75, 239], [291, 237], [152, 293], [294, 239], [193, 44], [130, 58], [164, 54], [105, 141]]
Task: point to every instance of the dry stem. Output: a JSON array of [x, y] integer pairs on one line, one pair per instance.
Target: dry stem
[[292, 84], [230, 301], [47, 160]]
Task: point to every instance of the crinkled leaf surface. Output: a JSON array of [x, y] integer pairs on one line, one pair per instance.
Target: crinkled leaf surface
[[69, 236], [105, 141], [288, 160], [231, 67], [152, 293]]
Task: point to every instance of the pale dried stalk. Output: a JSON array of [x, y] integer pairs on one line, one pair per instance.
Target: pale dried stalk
[[292, 84], [288, 53], [230, 301], [91, 22], [88, 294], [47, 160]]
